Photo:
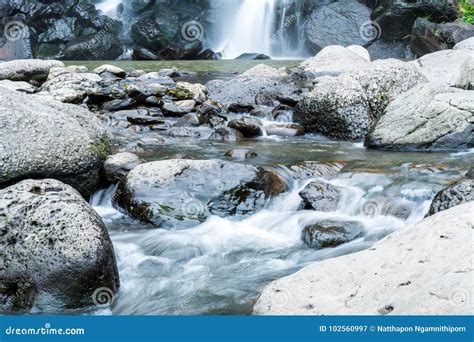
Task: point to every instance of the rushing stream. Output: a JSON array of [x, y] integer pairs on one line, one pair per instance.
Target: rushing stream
[[221, 265]]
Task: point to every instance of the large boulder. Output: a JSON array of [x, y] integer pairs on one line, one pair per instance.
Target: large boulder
[[49, 139], [348, 16], [467, 44], [346, 105], [449, 67], [428, 117], [333, 60], [423, 270], [55, 249], [336, 107], [180, 192], [430, 37], [320, 196], [456, 194], [27, 69], [396, 17], [244, 88]]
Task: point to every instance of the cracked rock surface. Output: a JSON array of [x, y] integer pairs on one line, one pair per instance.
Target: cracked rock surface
[[426, 269]]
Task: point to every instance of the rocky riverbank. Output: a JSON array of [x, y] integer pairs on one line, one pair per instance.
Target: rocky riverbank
[[67, 132]]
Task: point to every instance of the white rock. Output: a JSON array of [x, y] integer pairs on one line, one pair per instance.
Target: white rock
[[199, 91], [466, 44], [110, 68], [448, 67], [361, 51], [18, 86], [27, 69], [426, 269]]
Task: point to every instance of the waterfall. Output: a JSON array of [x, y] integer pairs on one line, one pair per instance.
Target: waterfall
[[109, 7]]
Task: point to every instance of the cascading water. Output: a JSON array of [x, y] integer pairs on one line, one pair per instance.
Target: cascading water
[[109, 7]]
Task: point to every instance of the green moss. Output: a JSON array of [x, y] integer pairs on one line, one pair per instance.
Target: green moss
[[180, 93], [101, 149], [466, 8], [48, 51]]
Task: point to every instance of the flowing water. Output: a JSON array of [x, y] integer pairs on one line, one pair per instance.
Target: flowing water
[[221, 265]]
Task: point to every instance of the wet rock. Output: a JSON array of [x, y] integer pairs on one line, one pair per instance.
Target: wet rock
[[428, 117], [119, 165], [313, 169], [328, 234], [249, 127], [50, 139], [27, 69], [240, 153], [105, 46], [181, 192], [240, 108], [252, 57], [190, 119], [456, 194], [382, 49], [320, 196], [284, 130], [225, 134], [432, 258], [470, 173], [118, 104], [46, 220], [189, 132], [289, 100], [107, 68], [211, 108]]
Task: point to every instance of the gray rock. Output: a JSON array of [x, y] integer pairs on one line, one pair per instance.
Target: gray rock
[[118, 104], [227, 134], [27, 69], [110, 69], [456, 194], [245, 87], [56, 251], [328, 234], [336, 107], [49, 139], [21, 86], [198, 90], [178, 108], [70, 87], [333, 60], [190, 132], [313, 169], [182, 192], [119, 165], [320, 196], [428, 117], [240, 153], [284, 130], [382, 49], [249, 127], [346, 17]]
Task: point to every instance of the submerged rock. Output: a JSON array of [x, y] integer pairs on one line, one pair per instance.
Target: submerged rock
[[49, 139], [182, 193], [240, 153], [456, 194], [431, 274], [428, 117], [313, 169], [249, 127], [56, 251], [327, 234]]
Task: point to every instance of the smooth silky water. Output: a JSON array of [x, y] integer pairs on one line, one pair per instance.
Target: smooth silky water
[[221, 265]]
